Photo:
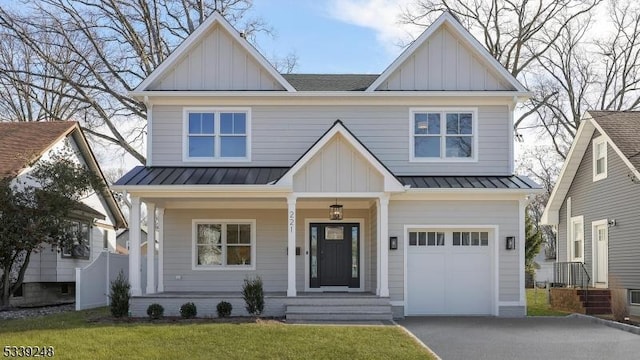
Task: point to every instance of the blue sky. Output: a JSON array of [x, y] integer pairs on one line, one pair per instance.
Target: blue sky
[[333, 36]]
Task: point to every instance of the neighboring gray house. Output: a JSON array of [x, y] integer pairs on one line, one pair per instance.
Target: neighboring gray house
[[122, 242], [50, 276], [414, 164], [596, 201]]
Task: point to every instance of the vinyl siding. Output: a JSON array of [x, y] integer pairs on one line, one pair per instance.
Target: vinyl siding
[[615, 197], [281, 134], [271, 251], [444, 63], [501, 213], [217, 62]]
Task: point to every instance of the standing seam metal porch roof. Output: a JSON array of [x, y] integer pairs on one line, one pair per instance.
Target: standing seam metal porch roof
[[141, 176]]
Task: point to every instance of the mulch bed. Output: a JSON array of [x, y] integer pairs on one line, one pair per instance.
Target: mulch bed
[[180, 320]]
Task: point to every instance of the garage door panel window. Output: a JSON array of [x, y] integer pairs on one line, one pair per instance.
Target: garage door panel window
[[426, 238], [470, 238]]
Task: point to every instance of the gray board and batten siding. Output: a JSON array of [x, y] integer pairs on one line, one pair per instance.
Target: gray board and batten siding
[[615, 197], [281, 134]]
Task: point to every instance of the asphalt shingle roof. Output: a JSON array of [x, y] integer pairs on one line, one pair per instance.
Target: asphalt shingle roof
[[23, 142], [330, 82], [622, 127]]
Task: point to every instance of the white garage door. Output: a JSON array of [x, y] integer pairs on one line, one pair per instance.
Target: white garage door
[[449, 272]]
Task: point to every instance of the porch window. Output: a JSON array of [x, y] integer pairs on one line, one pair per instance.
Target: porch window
[[577, 238], [599, 158], [219, 135], [79, 247], [224, 244], [443, 135]]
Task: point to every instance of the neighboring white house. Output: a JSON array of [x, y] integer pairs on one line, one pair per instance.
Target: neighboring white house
[[244, 165], [595, 203], [50, 276]]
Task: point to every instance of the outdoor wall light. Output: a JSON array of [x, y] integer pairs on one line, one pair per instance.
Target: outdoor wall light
[[511, 242], [393, 243]]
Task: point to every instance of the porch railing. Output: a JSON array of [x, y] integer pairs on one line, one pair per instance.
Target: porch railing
[[572, 274]]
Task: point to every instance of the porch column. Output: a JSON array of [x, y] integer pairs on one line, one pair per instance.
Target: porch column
[[160, 249], [151, 247], [291, 245], [383, 209], [134, 247]]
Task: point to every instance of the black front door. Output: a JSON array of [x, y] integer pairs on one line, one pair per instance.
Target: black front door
[[335, 255]]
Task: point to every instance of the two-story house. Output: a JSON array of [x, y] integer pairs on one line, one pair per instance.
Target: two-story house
[[594, 206], [351, 196], [50, 276]]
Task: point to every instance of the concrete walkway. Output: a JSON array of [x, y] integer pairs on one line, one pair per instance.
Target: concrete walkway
[[522, 338]]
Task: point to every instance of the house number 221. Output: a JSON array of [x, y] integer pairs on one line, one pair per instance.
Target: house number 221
[[292, 220]]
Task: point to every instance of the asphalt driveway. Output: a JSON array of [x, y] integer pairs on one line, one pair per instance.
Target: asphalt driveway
[[522, 338]]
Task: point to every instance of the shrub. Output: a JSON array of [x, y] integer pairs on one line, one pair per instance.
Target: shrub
[[119, 296], [155, 311], [224, 309], [619, 306], [188, 310], [253, 295]]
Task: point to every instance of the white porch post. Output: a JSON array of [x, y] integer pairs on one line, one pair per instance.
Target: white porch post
[[151, 247], [134, 247], [291, 245], [160, 249], [383, 209]]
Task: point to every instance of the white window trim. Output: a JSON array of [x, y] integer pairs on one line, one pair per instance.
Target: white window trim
[[632, 291], [574, 220], [215, 110], [194, 241], [444, 110], [597, 141]]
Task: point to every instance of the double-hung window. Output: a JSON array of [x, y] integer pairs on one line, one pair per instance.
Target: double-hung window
[[577, 238], [224, 244], [448, 135], [218, 135], [78, 245], [599, 158]]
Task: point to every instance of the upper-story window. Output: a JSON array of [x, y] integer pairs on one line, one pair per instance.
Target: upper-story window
[[217, 134], [443, 135], [599, 158]]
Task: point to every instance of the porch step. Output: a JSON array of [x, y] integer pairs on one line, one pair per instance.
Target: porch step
[[323, 308], [597, 310]]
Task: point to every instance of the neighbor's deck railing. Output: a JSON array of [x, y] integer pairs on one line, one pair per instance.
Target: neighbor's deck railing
[[572, 274]]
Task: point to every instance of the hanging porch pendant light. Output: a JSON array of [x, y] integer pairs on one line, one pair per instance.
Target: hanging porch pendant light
[[335, 211]]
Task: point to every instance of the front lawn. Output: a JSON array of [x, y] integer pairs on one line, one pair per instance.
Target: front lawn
[[74, 337], [537, 304]]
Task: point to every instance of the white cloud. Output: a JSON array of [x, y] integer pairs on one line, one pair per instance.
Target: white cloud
[[382, 16]]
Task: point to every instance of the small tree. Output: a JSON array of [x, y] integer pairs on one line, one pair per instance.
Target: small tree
[[35, 211], [532, 244], [120, 296], [253, 295]]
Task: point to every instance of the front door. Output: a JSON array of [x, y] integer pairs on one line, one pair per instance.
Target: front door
[[601, 262], [334, 255]]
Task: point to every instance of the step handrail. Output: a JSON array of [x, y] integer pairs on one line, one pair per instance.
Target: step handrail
[[572, 273]]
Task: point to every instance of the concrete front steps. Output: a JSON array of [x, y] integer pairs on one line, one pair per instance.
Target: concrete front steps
[[338, 308]]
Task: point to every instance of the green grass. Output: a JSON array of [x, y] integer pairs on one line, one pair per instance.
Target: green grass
[[537, 304], [74, 337]]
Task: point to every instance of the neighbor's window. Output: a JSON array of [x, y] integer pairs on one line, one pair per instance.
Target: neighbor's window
[[577, 238], [599, 158], [217, 135], [634, 297], [221, 244], [442, 135], [80, 246]]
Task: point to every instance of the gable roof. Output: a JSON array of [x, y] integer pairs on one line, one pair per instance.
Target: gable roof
[[454, 25], [330, 82], [619, 128], [391, 183], [195, 37], [23, 143]]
